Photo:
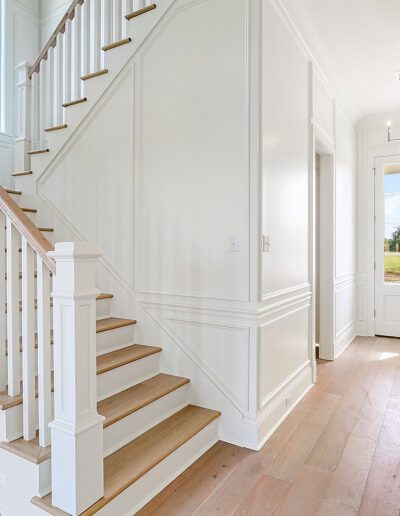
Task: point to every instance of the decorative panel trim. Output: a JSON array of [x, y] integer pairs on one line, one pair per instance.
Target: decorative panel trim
[[174, 12], [163, 320]]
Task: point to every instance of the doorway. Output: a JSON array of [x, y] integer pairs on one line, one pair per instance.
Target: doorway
[[387, 246], [323, 328]]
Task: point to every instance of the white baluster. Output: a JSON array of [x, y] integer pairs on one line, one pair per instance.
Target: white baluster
[[35, 111], [44, 351], [43, 102], [86, 36], [3, 360], [59, 79], [50, 87], [28, 341], [107, 21], [77, 478], [118, 20], [97, 36], [67, 61], [77, 52], [14, 358]]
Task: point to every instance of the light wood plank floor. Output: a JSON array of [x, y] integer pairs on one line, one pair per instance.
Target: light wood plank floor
[[337, 454]]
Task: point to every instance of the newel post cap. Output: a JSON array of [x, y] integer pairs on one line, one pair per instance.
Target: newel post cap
[[75, 251]]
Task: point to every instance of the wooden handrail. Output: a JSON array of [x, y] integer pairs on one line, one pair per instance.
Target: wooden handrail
[[27, 228], [53, 38]]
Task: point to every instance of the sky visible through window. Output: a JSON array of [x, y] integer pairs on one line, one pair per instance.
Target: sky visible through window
[[392, 203]]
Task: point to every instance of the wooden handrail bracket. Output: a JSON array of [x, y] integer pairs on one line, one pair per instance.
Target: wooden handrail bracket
[[27, 228]]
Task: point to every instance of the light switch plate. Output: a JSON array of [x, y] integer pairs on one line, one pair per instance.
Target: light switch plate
[[234, 243], [266, 244]]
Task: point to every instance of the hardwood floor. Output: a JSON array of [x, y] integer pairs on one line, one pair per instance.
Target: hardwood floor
[[337, 454]]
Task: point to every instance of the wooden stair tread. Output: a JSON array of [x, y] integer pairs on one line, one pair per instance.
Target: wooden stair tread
[[28, 450], [139, 12], [129, 401], [39, 151], [55, 128], [116, 44], [104, 363], [13, 192], [7, 401], [124, 356], [100, 297], [112, 323], [74, 102], [23, 173], [94, 74], [127, 465]]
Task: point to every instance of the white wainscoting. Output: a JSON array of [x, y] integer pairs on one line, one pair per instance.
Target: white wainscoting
[[345, 313], [285, 359], [90, 185], [193, 200]]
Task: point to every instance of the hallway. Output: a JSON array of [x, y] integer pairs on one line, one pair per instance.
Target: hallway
[[337, 454]]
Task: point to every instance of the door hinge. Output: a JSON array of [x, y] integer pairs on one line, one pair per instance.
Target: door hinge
[[374, 313], [374, 169], [374, 266]]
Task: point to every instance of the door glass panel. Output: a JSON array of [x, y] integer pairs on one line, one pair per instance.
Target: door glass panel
[[392, 224]]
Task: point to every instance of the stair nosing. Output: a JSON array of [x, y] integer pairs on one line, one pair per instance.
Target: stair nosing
[[151, 350], [179, 382]]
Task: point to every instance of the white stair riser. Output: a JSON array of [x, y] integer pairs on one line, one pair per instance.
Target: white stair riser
[[111, 340], [147, 487], [126, 376], [11, 423], [103, 310], [121, 433]]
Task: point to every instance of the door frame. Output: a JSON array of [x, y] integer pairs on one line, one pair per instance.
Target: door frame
[[327, 249], [379, 161]]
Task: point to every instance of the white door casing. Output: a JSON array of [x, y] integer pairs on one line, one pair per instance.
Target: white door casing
[[387, 292]]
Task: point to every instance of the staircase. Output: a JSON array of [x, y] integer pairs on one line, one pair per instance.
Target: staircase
[[121, 430]]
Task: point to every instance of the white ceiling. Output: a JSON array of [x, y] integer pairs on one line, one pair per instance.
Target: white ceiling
[[359, 40]]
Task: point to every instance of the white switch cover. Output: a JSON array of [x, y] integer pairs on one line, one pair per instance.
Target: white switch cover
[[234, 243], [266, 244]]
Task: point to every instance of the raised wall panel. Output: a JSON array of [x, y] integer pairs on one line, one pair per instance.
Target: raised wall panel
[[345, 298], [221, 351], [193, 156], [90, 186], [284, 348], [285, 155]]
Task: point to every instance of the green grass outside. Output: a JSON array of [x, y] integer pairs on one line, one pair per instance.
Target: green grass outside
[[392, 267]]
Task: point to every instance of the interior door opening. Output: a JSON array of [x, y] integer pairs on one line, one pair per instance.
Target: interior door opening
[[323, 253]]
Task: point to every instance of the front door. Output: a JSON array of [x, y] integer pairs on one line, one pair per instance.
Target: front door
[[387, 246]]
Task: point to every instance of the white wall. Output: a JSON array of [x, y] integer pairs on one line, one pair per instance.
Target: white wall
[[298, 103], [50, 12], [167, 169]]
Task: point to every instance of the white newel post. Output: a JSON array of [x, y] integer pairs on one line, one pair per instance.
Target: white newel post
[[23, 105], [77, 429]]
